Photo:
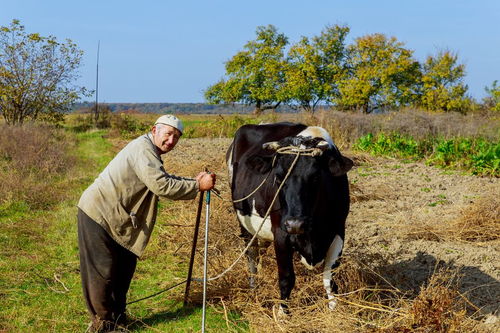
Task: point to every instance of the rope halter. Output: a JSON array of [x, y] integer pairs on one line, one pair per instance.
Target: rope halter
[[287, 150]]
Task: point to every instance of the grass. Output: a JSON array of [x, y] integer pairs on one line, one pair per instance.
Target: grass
[[39, 278]]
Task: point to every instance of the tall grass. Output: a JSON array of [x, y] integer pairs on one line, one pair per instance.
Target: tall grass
[[33, 160], [223, 126]]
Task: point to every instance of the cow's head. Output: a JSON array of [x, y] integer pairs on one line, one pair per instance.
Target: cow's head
[[307, 182]]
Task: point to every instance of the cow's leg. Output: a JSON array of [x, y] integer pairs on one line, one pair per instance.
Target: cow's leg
[[284, 258], [331, 262], [252, 255]]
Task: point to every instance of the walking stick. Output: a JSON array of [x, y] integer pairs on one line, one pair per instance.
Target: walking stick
[[205, 259], [193, 249]]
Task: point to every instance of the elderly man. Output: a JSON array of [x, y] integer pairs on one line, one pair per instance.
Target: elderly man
[[116, 215]]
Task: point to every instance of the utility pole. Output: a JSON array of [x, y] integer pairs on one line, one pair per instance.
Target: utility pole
[[96, 115]]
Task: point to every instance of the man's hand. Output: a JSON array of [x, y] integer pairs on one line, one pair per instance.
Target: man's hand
[[206, 180]]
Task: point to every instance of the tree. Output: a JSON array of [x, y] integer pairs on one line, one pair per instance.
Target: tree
[[492, 101], [382, 74], [36, 75], [256, 75], [315, 66], [442, 84]]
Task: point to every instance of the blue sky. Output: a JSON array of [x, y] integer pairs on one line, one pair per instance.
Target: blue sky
[[171, 51]]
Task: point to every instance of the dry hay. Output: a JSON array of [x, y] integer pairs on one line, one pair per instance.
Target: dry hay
[[371, 298], [477, 222]]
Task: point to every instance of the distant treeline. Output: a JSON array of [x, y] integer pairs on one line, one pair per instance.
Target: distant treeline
[[177, 108]]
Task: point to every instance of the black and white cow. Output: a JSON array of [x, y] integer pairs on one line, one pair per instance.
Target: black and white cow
[[309, 215]]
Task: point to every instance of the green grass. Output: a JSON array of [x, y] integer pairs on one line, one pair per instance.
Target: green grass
[[40, 287]]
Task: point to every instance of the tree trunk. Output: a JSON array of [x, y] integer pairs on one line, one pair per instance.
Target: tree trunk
[[258, 108]]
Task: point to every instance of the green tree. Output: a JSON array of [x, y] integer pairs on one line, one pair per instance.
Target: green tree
[[36, 75], [382, 74], [492, 101], [256, 75], [442, 87], [315, 66]]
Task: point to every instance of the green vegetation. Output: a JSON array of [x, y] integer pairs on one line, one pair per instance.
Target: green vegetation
[[375, 72], [492, 101], [315, 66], [41, 183], [256, 74], [382, 75], [37, 75], [129, 126], [39, 278], [480, 156], [441, 86]]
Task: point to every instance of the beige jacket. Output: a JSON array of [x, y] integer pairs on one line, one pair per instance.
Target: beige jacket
[[124, 197]]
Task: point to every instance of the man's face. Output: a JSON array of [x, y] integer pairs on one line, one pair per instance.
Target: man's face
[[165, 137]]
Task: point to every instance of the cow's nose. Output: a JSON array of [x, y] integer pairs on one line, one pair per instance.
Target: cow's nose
[[294, 226]]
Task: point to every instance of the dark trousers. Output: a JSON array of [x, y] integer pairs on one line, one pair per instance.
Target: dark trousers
[[106, 269]]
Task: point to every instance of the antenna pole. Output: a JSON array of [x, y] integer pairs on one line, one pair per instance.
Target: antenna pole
[[96, 116]]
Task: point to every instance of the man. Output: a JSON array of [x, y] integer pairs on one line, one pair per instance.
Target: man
[[116, 215]]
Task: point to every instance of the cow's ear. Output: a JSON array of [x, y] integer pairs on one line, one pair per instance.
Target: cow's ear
[[260, 164], [340, 165]]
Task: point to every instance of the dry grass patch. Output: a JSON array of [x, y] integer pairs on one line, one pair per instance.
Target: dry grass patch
[[32, 160], [477, 222]]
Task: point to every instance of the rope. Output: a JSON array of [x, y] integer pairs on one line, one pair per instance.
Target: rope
[[257, 188], [158, 293], [298, 154], [302, 151], [291, 150]]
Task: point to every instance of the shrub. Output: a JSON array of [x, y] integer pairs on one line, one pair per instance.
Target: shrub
[[128, 126], [31, 159]]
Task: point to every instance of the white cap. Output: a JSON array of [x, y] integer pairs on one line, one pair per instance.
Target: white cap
[[171, 120]]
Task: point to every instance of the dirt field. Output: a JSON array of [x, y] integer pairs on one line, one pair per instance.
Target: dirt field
[[408, 241]]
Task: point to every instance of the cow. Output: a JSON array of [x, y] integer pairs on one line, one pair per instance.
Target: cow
[[309, 213]]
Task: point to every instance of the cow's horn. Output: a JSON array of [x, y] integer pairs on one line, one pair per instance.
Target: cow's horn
[[273, 145], [323, 145]]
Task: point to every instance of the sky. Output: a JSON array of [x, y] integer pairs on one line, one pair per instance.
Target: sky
[[171, 51]]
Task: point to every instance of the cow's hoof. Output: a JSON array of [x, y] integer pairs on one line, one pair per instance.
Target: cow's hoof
[[332, 304], [280, 312]]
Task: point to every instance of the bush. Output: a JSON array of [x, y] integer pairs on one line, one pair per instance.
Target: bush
[[31, 159], [128, 126]]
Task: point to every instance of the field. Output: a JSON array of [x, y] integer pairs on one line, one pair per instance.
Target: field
[[421, 252], [409, 224]]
